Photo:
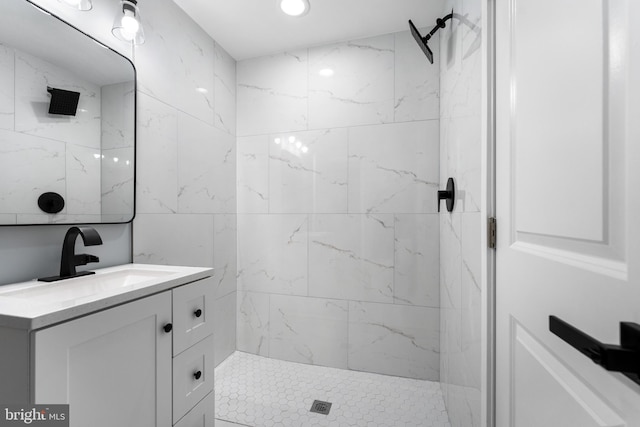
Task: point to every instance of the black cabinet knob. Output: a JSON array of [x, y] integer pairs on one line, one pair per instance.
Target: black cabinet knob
[[197, 375], [168, 327], [197, 313]]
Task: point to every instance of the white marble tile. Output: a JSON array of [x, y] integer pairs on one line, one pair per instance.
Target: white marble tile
[[253, 174], [224, 253], [272, 253], [417, 82], [253, 323], [358, 90], [173, 239], [225, 91], [117, 182], [33, 75], [83, 166], [471, 294], [308, 330], [176, 62], [417, 260], [308, 172], [30, 166], [351, 257], [206, 168], [394, 168], [224, 327], [272, 94], [394, 340], [118, 111], [157, 150], [450, 260], [7, 62]]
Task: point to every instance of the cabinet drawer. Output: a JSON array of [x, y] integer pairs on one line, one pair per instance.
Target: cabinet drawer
[[202, 415], [192, 313], [192, 376]]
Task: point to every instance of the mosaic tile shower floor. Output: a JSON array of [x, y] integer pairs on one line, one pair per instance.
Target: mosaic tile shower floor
[[257, 391]]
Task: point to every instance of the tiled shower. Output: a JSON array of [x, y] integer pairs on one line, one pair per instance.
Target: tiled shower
[[308, 179]]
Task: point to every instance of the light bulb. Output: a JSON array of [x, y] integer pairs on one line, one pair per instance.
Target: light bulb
[[129, 22], [294, 7]]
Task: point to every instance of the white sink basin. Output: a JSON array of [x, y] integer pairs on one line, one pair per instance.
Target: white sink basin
[[34, 305], [86, 286]]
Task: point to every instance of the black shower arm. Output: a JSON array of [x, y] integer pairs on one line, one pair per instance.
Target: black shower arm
[[440, 23]]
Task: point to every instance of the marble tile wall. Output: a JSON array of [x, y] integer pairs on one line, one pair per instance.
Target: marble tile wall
[[460, 247], [338, 165], [186, 192]]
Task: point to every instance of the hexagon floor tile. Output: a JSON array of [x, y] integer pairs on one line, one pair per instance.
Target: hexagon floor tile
[[257, 391]]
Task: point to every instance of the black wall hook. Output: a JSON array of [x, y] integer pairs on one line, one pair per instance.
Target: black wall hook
[[449, 195]]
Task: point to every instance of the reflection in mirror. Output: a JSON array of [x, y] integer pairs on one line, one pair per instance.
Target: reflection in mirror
[[84, 152]]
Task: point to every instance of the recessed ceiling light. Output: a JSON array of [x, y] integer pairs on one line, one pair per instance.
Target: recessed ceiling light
[[295, 7]]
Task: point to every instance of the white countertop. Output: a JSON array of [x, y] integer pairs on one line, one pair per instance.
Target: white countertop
[[35, 305]]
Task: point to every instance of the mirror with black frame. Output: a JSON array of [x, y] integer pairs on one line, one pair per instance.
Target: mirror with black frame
[[67, 123]]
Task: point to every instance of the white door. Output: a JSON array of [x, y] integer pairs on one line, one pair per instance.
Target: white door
[[568, 206], [112, 367]]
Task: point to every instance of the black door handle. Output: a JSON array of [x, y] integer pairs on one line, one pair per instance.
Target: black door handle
[[624, 358], [449, 195]]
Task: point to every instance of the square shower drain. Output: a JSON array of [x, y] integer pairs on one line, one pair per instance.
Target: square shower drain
[[321, 407]]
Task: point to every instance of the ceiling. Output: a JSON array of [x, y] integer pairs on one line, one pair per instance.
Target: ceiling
[[252, 28]]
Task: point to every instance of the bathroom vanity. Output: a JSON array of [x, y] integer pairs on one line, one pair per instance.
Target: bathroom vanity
[[129, 346]]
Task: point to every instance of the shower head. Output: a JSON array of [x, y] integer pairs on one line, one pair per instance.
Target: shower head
[[422, 41]]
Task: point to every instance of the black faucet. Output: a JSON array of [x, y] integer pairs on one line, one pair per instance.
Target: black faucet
[[70, 260]]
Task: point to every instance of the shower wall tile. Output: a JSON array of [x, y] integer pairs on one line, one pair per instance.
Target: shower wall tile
[[32, 76], [157, 153], [417, 82], [173, 239], [308, 330], [224, 253], [7, 61], [361, 88], [253, 174], [205, 187], [417, 260], [272, 94], [117, 125], [335, 198], [225, 91], [253, 323], [394, 168], [351, 257], [471, 294], [117, 184], [394, 340], [460, 118], [40, 164], [83, 170], [175, 62], [224, 327], [272, 253], [308, 171]]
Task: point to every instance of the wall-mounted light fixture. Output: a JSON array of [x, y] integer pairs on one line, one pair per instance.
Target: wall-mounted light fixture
[[127, 25], [295, 7], [78, 4]]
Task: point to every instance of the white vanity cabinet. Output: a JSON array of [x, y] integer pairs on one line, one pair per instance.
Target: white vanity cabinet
[[142, 363]]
